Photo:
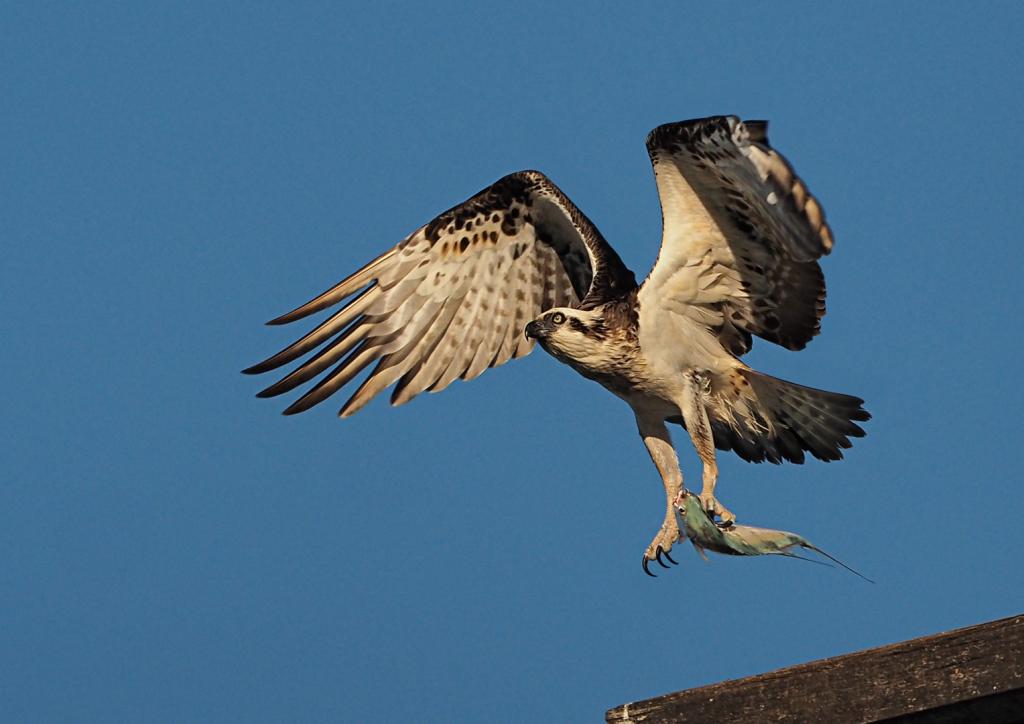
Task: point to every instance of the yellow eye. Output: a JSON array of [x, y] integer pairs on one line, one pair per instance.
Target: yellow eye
[[558, 318]]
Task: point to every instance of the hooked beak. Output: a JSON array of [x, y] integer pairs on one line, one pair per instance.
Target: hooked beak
[[533, 330]]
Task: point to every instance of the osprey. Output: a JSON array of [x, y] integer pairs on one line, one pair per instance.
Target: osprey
[[518, 263]]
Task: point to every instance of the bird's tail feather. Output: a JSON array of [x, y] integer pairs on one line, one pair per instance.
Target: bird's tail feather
[[794, 419]]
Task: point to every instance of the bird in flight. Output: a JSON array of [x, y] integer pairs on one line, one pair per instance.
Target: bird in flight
[[518, 263]]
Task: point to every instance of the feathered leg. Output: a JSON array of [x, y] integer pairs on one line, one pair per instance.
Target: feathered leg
[[659, 444], [695, 414]]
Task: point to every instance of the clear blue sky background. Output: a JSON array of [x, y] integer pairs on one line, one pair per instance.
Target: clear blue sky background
[[175, 174]]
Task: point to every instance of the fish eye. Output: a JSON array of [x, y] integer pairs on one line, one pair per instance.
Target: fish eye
[[558, 318]]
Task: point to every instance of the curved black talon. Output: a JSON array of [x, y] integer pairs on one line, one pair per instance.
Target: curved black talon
[[670, 560], [657, 556], [646, 569]]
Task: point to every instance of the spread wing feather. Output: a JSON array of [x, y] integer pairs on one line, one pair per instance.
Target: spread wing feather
[[742, 234], [452, 299]]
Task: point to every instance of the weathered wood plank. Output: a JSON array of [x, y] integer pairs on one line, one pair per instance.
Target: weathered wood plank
[[971, 674]]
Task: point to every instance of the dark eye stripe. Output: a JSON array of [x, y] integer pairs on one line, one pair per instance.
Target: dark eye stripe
[[577, 325]]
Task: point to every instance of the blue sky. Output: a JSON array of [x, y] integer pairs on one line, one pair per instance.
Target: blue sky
[[175, 174]]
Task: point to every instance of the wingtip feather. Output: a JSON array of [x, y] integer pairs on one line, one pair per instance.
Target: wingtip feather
[[298, 313], [346, 287], [300, 405], [260, 367], [757, 130]]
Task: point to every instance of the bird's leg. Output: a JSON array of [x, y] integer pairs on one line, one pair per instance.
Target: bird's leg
[[659, 445], [695, 414]]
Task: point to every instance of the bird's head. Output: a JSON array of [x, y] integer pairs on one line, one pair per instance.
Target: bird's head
[[569, 334]]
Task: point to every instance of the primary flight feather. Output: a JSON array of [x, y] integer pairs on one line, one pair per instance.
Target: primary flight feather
[[518, 262]]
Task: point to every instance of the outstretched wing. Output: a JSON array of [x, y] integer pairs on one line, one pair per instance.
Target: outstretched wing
[[452, 298], [742, 234]]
